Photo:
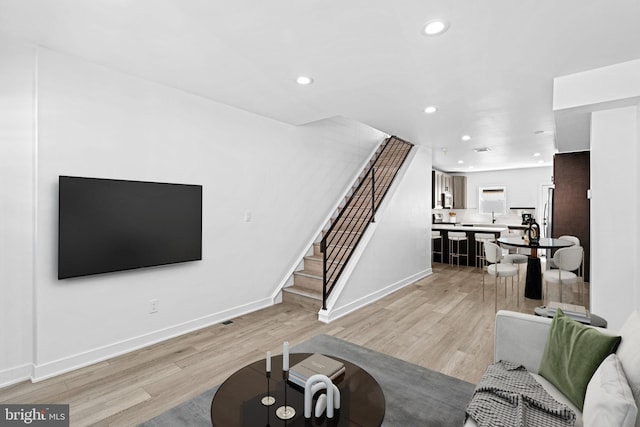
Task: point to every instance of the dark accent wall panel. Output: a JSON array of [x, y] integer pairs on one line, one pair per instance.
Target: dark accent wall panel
[[571, 213]]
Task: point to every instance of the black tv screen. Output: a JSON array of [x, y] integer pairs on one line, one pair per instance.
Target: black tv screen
[[108, 225]]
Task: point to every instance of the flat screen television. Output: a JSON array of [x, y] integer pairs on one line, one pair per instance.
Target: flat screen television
[[108, 225]]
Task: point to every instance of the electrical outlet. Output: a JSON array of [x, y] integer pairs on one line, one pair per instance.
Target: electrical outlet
[[154, 306]]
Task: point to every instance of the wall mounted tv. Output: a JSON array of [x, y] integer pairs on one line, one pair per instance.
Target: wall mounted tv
[[108, 225]]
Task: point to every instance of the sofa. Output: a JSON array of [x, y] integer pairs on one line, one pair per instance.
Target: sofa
[[612, 395]]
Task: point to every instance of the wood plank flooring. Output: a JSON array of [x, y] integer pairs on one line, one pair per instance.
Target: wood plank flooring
[[440, 322]]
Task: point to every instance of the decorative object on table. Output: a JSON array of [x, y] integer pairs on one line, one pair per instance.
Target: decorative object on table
[[573, 311], [452, 217], [285, 412], [533, 232], [586, 318], [268, 400], [328, 401], [315, 364]]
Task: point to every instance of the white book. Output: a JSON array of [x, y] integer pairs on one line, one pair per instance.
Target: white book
[[567, 308], [315, 364]]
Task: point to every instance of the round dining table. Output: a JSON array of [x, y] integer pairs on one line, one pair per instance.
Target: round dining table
[[533, 286]]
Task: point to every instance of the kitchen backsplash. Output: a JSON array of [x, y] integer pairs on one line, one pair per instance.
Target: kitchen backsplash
[[471, 216]]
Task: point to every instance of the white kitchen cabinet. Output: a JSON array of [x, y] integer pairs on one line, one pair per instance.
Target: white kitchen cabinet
[[442, 183]]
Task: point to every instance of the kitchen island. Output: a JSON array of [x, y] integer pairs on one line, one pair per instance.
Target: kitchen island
[[470, 230]]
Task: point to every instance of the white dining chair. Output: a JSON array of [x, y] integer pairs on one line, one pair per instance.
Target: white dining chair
[[496, 268], [576, 242], [481, 239], [567, 260]]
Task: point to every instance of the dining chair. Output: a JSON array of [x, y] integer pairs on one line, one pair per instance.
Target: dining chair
[[481, 239], [517, 259], [567, 261], [496, 268], [576, 242], [515, 255]]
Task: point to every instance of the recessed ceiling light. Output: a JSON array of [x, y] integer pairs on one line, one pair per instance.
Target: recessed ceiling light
[[460, 162], [304, 80], [430, 109], [444, 149], [536, 154], [466, 137], [540, 161], [436, 27], [470, 167]]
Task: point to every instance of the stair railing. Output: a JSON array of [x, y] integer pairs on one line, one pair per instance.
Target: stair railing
[[339, 242]]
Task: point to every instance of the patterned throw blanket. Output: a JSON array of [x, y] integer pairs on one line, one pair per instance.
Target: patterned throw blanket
[[508, 396]]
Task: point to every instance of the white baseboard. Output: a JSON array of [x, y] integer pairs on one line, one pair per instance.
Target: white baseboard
[[334, 313], [50, 369], [15, 374]]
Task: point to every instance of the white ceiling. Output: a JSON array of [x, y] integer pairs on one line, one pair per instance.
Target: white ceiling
[[490, 74]]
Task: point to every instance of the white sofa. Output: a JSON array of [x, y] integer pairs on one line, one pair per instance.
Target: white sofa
[[521, 339]]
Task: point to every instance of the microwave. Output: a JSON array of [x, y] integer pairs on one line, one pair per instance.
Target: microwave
[[447, 200]]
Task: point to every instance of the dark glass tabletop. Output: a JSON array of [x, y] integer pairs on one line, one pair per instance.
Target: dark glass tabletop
[[543, 243], [237, 401]]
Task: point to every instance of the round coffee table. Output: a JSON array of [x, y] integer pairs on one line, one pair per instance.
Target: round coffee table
[[237, 401]]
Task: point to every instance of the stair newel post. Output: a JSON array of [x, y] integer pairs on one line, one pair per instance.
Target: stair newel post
[[373, 194], [323, 249]]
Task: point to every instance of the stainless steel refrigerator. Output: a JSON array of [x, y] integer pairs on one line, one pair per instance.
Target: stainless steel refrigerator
[[547, 212]]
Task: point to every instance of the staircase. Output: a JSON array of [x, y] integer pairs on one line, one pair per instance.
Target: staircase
[[328, 257]]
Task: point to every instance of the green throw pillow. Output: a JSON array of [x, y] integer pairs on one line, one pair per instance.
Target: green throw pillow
[[572, 354]]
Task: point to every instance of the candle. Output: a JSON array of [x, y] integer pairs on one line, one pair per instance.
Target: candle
[[268, 361], [285, 356]]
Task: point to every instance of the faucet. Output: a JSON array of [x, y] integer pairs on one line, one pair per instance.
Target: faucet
[[493, 217]]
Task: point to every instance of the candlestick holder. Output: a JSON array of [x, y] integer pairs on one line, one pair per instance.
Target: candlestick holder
[[268, 400], [285, 412]]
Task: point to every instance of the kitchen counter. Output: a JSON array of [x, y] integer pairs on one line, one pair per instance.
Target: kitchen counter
[[472, 228]]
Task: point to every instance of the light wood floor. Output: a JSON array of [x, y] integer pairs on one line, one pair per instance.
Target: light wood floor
[[440, 322]]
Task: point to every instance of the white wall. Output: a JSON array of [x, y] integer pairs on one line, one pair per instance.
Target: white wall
[[17, 177], [93, 121], [399, 251], [615, 211], [610, 96]]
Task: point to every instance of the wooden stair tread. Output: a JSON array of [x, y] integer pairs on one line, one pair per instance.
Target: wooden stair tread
[[305, 292], [307, 273], [319, 258]]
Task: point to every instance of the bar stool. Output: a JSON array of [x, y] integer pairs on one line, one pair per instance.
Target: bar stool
[[455, 237], [435, 237], [481, 238]]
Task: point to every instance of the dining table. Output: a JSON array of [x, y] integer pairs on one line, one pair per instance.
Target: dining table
[[533, 284]]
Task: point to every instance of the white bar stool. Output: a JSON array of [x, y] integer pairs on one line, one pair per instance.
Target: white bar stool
[[436, 237], [455, 238]]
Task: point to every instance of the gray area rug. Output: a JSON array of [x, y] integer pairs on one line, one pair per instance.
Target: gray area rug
[[415, 396]]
